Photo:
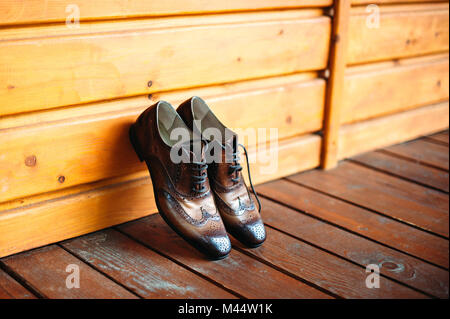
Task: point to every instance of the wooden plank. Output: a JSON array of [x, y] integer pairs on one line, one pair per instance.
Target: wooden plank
[[324, 270], [358, 220], [231, 272], [402, 200], [392, 129], [402, 33], [393, 264], [39, 11], [423, 152], [335, 88], [11, 289], [415, 172], [143, 271], [57, 143], [359, 2], [392, 88], [98, 69], [45, 270], [441, 137], [216, 94], [102, 204]]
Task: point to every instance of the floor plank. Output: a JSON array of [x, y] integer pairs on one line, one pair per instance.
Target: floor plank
[[45, 270], [359, 220], [238, 272], [323, 269], [405, 201], [393, 264], [422, 151], [440, 137], [425, 175], [11, 289], [145, 272]]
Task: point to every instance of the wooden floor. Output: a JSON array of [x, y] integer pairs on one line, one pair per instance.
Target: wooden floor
[[388, 207]]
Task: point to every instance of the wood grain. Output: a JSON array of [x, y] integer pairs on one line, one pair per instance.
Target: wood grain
[[421, 151], [30, 223], [143, 271], [324, 270], [402, 200], [400, 167], [45, 269], [39, 11], [393, 264], [358, 220], [11, 289], [92, 65], [380, 132], [232, 272], [97, 135], [392, 88], [402, 33]]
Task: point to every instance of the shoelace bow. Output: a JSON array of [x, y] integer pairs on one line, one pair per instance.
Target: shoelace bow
[[236, 167]]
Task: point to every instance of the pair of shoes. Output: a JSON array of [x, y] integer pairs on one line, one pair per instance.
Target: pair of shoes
[[193, 161]]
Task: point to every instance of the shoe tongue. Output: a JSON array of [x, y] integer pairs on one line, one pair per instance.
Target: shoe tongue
[[195, 150], [230, 147], [230, 141]]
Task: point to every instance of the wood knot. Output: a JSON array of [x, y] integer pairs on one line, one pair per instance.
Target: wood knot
[[30, 161], [149, 83], [61, 179], [289, 119]]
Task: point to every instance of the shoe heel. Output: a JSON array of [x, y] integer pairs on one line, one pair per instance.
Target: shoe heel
[[133, 140]]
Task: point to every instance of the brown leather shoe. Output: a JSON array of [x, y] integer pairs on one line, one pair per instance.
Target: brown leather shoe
[[182, 190], [233, 200]]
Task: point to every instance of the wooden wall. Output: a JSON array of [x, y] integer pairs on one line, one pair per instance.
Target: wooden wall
[[68, 95]]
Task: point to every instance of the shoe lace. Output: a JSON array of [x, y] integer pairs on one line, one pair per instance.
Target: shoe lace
[[199, 176], [236, 167]]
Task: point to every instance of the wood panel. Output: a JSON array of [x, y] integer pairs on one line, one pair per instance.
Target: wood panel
[[92, 64], [323, 269], [387, 88], [387, 130], [45, 269], [97, 136], [402, 200], [11, 289], [141, 270], [231, 272], [421, 151], [39, 11], [406, 169], [357, 219], [404, 31], [308, 224], [103, 204]]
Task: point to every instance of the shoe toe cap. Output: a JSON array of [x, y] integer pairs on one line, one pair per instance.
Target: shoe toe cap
[[218, 247]]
